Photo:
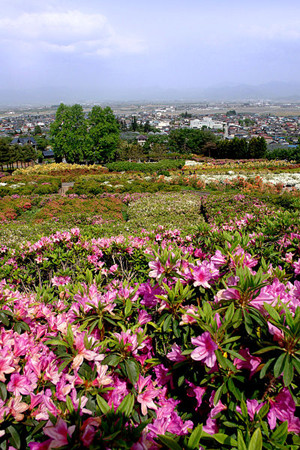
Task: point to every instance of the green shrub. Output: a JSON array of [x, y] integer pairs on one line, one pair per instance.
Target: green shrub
[[164, 165]]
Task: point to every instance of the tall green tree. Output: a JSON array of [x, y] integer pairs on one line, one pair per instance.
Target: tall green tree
[[257, 147], [69, 134], [186, 140], [4, 153], [103, 133]]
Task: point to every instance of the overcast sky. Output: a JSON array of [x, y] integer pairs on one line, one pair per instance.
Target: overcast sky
[[64, 50]]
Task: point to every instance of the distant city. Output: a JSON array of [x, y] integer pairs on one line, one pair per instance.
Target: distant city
[[278, 123]]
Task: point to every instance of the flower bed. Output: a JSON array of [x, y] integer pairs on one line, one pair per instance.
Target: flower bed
[[28, 185], [66, 171], [162, 340]]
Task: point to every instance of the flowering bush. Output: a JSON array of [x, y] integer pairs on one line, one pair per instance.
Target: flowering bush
[[29, 185], [64, 170], [159, 341]]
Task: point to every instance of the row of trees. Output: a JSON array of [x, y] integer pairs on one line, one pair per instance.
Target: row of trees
[[95, 137], [11, 156], [77, 138], [290, 154], [237, 149]]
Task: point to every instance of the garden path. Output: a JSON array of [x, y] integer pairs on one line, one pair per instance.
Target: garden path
[[65, 187]]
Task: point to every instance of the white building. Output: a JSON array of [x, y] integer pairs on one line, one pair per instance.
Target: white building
[[207, 122]]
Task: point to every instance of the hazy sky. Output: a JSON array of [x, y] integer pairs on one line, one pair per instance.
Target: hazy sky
[[109, 49]]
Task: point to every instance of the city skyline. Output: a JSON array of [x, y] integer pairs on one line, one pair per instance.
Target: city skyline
[[77, 51]]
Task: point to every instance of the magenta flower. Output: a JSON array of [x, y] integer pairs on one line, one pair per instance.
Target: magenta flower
[[60, 281], [175, 355], [205, 350], [146, 397], [296, 266], [196, 391], [283, 408], [157, 269], [17, 407], [201, 275], [250, 362], [58, 433], [253, 407], [19, 385], [6, 366]]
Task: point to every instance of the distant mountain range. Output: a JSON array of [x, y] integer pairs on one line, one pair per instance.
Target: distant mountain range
[[274, 91]]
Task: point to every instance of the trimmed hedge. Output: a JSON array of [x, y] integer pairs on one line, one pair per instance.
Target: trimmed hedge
[[166, 164]]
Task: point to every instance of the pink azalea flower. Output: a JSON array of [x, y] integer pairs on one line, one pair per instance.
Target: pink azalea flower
[[88, 429], [175, 355], [201, 275], [19, 385], [146, 398], [251, 362], [253, 407], [60, 281], [157, 269], [17, 407], [162, 376], [211, 426], [187, 318], [296, 266], [40, 445], [102, 378], [120, 391], [196, 391], [144, 317], [205, 350], [58, 433], [218, 259], [283, 408], [6, 366]]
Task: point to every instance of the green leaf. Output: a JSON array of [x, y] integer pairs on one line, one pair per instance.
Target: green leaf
[[278, 367], [132, 370], [64, 364], [229, 313], [195, 437], [112, 360], [240, 441], [244, 408], [103, 405], [235, 354], [57, 342], [128, 307], [218, 394], [127, 405], [70, 336], [38, 428], [4, 319], [263, 410], [256, 441], [296, 364], [280, 433], [288, 372], [15, 439], [169, 442], [232, 388], [265, 368], [167, 322], [3, 392], [272, 311], [89, 277], [221, 359], [69, 404], [224, 439]]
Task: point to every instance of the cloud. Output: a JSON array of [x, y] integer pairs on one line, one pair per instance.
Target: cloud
[[67, 32]]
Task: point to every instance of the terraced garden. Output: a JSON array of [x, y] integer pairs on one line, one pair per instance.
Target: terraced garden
[[149, 312]]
